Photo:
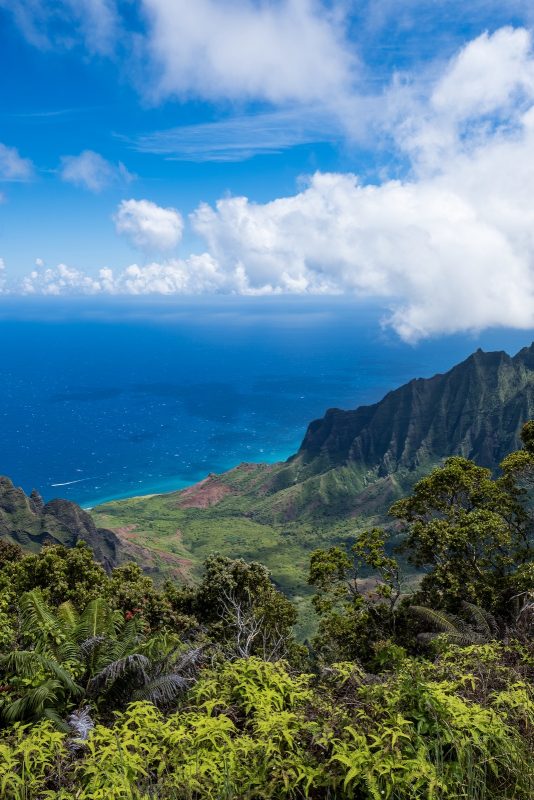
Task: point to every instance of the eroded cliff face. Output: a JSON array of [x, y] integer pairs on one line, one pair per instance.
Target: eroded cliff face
[[475, 410], [30, 522], [350, 468]]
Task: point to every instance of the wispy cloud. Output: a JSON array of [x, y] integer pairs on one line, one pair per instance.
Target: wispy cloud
[[239, 138], [50, 114], [93, 172], [12, 166], [61, 24]]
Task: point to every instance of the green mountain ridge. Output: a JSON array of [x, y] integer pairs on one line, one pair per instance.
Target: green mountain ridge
[[30, 523], [349, 469], [351, 466]]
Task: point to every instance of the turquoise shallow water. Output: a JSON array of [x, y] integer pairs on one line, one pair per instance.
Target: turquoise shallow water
[[105, 400]]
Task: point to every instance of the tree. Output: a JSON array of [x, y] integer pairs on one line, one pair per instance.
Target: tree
[[240, 609], [469, 532], [132, 592], [61, 573], [355, 611]]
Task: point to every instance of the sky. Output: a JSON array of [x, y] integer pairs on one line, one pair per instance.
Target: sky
[[380, 150]]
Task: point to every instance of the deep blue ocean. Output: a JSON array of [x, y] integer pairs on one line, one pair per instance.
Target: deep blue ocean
[[103, 400]]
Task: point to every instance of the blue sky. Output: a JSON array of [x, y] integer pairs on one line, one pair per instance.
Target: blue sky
[[377, 149]]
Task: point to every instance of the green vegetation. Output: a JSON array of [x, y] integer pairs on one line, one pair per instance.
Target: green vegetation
[[112, 687], [173, 538], [351, 466]]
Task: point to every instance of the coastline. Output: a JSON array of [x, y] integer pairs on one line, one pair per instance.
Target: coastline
[[170, 485]]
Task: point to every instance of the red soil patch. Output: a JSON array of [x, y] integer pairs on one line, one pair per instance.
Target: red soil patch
[[204, 494], [124, 530]]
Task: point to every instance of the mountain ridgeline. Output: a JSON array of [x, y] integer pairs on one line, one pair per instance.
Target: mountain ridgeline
[[31, 523], [351, 466], [349, 469], [475, 410]]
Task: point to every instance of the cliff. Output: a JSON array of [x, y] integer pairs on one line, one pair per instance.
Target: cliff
[[31, 523], [475, 410]]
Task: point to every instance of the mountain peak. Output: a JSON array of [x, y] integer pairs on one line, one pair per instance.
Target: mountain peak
[[476, 409]]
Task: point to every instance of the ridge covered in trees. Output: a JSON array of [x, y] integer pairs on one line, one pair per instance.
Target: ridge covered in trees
[[111, 687]]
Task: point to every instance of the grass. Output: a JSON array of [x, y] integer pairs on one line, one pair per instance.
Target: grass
[[259, 513]]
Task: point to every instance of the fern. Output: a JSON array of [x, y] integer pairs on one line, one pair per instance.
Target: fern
[[485, 623], [94, 621], [68, 616], [162, 690], [454, 629], [129, 667]]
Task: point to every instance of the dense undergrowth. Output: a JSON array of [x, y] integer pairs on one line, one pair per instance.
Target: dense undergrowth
[[111, 688]]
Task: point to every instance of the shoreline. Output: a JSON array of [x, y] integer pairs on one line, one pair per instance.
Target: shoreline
[[179, 485]]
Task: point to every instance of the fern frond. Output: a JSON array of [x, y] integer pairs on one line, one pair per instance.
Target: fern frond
[[189, 659], [68, 616], [94, 621], [24, 663], [445, 623], [484, 621], [64, 678], [38, 620], [134, 666], [81, 723], [56, 720], [33, 703], [162, 690]]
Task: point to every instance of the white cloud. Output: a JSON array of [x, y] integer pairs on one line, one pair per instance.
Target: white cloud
[[482, 95], [12, 166], [91, 171], [149, 226], [59, 280], [241, 137], [490, 73], [61, 24], [450, 247], [288, 50], [2, 275], [196, 275]]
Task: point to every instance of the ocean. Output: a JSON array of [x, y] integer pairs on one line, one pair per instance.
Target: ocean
[[108, 399]]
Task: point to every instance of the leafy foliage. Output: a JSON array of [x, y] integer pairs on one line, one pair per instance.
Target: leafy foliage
[[470, 532], [114, 689], [64, 657], [249, 729]]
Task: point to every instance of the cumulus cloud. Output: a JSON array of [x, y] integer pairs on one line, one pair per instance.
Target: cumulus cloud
[[195, 275], [449, 247], [289, 50], [149, 226], [93, 172], [482, 95], [59, 280], [12, 166]]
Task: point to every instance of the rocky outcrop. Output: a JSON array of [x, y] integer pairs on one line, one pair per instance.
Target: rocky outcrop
[[475, 410], [31, 523]]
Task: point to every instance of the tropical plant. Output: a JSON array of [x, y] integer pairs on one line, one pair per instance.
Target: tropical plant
[[472, 533], [480, 627], [65, 657]]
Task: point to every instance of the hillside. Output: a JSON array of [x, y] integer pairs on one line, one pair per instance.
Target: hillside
[[31, 523], [350, 467]]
